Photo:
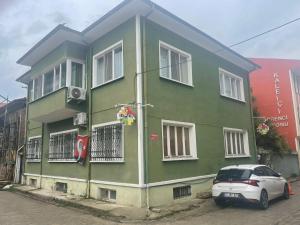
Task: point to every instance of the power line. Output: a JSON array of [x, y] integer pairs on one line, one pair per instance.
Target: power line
[[265, 32], [230, 46], [5, 99]]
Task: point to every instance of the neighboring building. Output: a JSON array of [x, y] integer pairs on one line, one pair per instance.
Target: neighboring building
[[201, 119], [12, 139], [276, 88]]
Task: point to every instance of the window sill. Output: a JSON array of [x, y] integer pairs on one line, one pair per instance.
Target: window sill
[[180, 159], [105, 161], [237, 156], [33, 160], [62, 161], [234, 99], [108, 82], [176, 81]]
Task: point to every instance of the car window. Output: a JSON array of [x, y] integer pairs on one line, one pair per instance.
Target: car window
[[234, 174], [259, 171], [270, 172]]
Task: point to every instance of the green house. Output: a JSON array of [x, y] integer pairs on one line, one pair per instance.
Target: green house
[[189, 93]]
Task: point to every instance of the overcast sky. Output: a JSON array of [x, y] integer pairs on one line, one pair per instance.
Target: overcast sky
[[24, 22]]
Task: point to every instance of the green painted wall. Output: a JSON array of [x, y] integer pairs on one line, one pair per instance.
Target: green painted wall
[[106, 96], [74, 170], [201, 104]]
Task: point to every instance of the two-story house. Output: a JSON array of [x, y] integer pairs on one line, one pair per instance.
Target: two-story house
[[138, 54]]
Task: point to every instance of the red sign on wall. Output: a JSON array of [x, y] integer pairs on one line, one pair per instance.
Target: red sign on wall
[[154, 137]]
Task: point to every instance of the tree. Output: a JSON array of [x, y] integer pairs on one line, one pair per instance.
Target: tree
[[272, 140]]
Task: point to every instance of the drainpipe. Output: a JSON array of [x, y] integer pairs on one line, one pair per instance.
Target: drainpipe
[[42, 151], [26, 132], [145, 92], [90, 64], [146, 141]]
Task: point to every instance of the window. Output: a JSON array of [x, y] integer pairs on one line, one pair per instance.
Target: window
[[61, 187], [107, 143], [236, 142], [175, 64], [56, 78], [63, 75], [231, 85], [34, 147], [30, 91], [48, 82], [76, 74], [107, 194], [108, 65], [180, 192], [62, 145], [179, 140], [38, 87]]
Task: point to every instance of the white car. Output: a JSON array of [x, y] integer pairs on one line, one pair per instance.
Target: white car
[[250, 183]]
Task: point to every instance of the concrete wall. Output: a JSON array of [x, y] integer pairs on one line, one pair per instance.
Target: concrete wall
[[287, 165]]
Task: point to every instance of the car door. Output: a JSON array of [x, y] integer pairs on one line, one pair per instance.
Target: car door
[[264, 181], [272, 182], [278, 183]]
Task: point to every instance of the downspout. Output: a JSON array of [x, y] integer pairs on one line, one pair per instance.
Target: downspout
[[146, 114], [139, 102], [90, 64], [42, 151], [26, 132], [145, 92]]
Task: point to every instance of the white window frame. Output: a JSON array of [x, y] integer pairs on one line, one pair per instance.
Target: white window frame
[[192, 136], [122, 147], [101, 54], [69, 74], [222, 74], [180, 52], [245, 140], [58, 133], [68, 62], [40, 153]]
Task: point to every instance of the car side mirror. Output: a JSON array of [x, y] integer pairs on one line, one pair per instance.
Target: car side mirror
[[279, 174]]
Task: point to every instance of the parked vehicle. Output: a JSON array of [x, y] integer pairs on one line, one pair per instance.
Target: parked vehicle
[[250, 183]]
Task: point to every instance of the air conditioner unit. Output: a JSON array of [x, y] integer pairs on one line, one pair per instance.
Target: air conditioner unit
[[80, 119], [76, 93]]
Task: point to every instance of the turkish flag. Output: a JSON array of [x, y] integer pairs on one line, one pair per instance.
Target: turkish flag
[[81, 148]]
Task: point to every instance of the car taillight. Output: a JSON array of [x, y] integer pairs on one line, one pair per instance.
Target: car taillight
[[251, 182]]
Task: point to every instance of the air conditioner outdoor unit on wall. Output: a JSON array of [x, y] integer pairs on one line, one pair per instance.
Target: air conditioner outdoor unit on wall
[[76, 94], [80, 119]]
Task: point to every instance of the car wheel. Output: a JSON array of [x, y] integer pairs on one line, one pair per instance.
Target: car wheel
[[286, 194], [264, 200], [221, 202]]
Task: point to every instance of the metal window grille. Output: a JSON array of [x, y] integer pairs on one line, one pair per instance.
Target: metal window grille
[[62, 146], [235, 143], [34, 148], [180, 192], [107, 143]]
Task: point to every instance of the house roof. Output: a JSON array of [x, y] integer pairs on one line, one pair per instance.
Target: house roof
[[51, 41], [124, 11], [12, 106]]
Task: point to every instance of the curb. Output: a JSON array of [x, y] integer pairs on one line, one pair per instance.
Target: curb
[[69, 203], [111, 215]]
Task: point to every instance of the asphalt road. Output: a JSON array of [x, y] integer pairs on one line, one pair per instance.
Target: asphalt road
[[19, 210], [280, 212]]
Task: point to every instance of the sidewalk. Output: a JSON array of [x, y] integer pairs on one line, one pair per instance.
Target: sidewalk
[[111, 211]]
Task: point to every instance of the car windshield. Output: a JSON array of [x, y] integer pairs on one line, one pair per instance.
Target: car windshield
[[234, 174]]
